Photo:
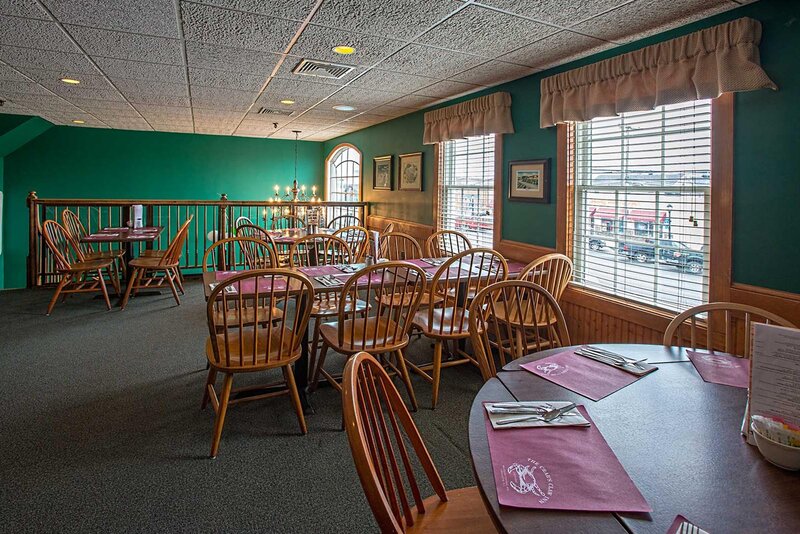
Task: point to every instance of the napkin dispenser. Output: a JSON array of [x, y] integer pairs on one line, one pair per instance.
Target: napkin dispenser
[[137, 216]]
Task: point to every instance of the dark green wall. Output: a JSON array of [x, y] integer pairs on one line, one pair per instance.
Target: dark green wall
[[767, 160], [71, 162]]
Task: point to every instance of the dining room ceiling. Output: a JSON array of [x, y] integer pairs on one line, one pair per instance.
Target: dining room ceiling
[[226, 67]]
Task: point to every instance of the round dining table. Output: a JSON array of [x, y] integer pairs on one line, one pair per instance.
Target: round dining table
[[679, 439]]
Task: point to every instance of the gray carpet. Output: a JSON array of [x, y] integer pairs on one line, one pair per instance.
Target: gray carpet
[[102, 431]]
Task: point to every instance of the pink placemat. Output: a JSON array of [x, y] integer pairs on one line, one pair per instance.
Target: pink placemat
[[560, 468], [323, 270], [721, 368], [584, 376], [248, 286]]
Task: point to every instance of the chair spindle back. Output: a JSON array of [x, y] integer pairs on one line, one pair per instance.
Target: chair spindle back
[[77, 231], [357, 238], [239, 253], [344, 221], [319, 249], [446, 243], [63, 247], [396, 246]]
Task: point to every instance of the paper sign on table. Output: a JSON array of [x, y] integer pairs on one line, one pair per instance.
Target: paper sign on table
[[560, 468], [721, 368]]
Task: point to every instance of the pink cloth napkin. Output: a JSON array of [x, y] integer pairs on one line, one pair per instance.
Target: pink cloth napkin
[[721, 368], [560, 468], [584, 376]]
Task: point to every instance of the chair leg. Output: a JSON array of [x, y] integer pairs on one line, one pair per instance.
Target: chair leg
[[436, 371], [212, 377], [103, 288], [288, 375], [61, 285], [318, 368], [113, 275], [132, 282], [312, 358], [178, 280], [401, 362], [223, 408], [168, 276]]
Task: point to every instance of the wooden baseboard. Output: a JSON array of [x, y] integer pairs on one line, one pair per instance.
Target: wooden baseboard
[[523, 252]]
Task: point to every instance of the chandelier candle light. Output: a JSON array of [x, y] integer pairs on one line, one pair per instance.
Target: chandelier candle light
[[297, 193]]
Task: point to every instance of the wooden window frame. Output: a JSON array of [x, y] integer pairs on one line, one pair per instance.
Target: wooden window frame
[[328, 159], [721, 243]]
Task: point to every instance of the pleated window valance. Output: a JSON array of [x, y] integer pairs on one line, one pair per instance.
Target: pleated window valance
[[490, 114], [701, 65]]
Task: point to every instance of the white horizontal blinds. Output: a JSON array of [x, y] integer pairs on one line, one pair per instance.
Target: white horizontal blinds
[[466, 188], [343, 175], [642, 184]]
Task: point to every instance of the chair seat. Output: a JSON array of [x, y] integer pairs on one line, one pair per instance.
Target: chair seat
[[374, 329], [105, 255], [89, 265], [525, 319], [152, 253], [241, 349], [327, 305], [150, 262], [447, 323], [464, 512], [231, 317], [397, 299]]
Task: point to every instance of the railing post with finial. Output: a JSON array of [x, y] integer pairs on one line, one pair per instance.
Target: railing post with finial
[[33, 239], [222, 226]]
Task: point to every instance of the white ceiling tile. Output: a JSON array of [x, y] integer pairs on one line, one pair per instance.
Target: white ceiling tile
[[493, 72], [173, 128], [12, 108], [204, 115], [555, 11], [71, 63], [447, 88], [52, 79], [484, 32], [121, 45], [211, 56], [37, 102], [287, 9], [390, 111], [70, 92], [392, 81], [427, 61], [23, 8], [222, 99], [132, 86], [90, 103], [155, 110], [643, 18], [41, 34], [413, 101], [157, 99], [558, 48], [304, 93], [237, 29], [27, 87], [128, 124], [361, 99], [152, 17], [317, 43], [291, 61], [211, 130], [10, 74], [113, 114], [232, 80], [138, 70], [394, 19]]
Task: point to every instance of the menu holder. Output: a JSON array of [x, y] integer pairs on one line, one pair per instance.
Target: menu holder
[[774, 377]]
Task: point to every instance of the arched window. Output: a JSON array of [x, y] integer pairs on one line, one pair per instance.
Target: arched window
[[343, 171]]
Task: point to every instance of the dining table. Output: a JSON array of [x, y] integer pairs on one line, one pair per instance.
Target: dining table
[[126, 236], [677, 436], [301, 366]]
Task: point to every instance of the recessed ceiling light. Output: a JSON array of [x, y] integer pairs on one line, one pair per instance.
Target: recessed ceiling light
[[78, 121], [344, 108], [287, 101], [71, 81], [344, 50]]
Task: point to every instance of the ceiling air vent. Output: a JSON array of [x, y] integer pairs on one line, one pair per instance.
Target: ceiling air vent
[[269, 111], [321, 69]]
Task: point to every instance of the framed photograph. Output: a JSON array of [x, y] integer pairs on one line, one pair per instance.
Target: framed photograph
[[529, 180], [410, 172], [382, 173]]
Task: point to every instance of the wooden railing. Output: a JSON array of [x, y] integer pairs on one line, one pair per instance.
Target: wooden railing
[[212, 220]]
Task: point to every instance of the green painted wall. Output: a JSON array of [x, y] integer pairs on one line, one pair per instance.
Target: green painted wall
[[72, 162], [767, 161], [9, 122]]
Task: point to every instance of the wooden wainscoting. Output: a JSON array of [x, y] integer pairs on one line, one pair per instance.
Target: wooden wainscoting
[[418, 231], [514, 250]]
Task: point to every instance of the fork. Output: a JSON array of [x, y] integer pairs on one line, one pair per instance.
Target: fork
[[548, 416]]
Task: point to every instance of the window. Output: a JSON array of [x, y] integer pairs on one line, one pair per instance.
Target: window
[[466, 188], [641, 214], [343, 175]]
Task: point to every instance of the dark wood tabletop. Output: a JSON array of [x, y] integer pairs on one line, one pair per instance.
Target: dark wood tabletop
[[124, 235], [679, 439]]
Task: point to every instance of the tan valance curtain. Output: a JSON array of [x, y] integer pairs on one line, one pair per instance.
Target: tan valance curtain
[[480, 116], [701, 65]]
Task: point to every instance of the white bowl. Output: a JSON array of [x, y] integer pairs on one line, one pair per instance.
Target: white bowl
[[783, 456]]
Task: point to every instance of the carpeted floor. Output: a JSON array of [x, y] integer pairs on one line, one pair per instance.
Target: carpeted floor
[[102, 431]]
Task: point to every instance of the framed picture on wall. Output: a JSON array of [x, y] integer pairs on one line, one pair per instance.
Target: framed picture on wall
[[382, 173], [529, 180], [410, 172]]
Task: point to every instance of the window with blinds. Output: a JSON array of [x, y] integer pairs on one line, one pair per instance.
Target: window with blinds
[[344, 175], [641, 212], [466, 188]]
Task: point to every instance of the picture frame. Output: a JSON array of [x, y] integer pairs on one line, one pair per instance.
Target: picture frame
[[529, 180], [382, 171], [409, 172]]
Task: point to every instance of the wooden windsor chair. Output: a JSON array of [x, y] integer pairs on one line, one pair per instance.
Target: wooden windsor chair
[[78, 275], [385, 330], [382, 438], [153, 272], [242, 347], [735, 327], [357, 238], [396, 246], [504, 310], [77, 231], [455, 283], [446, 243], [242, 220], [344, 221], [260, 233], [287, 221]]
